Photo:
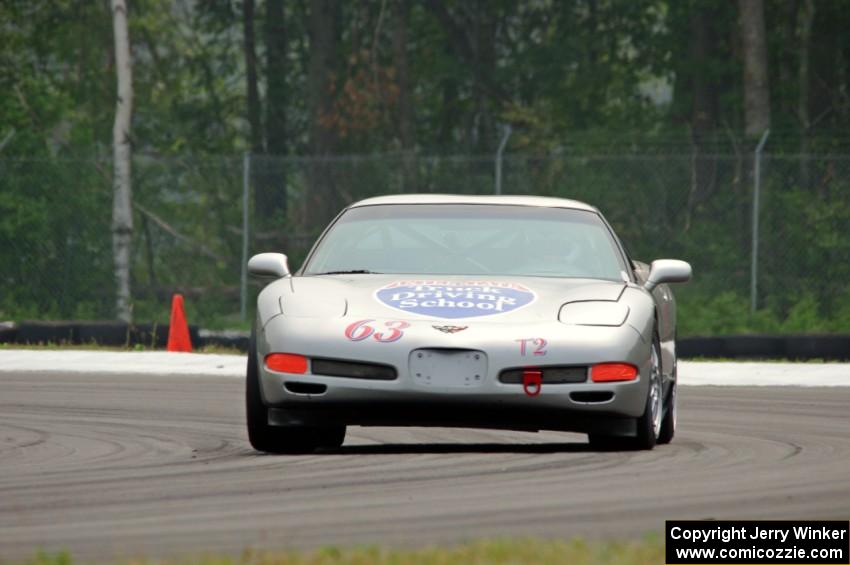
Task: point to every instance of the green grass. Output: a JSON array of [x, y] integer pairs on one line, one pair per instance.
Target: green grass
[[648, 551]]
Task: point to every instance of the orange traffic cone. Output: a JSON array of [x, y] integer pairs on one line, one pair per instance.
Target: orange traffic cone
[[178, 331]]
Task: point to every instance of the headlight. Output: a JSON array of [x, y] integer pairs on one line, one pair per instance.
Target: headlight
[[593, 313]]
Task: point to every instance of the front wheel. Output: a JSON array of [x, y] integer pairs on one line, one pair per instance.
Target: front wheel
[[668, 424], [275, 439], [649, 425]]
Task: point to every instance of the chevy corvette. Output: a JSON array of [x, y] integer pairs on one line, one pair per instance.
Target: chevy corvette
[[510, 312]]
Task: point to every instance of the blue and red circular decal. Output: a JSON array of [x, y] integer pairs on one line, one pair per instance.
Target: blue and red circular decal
[[455, 299]]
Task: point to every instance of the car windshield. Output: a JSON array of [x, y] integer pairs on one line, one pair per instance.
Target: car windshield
[[473, 239]]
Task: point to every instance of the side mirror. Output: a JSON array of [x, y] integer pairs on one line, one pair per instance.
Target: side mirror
[[269, 265], [667, 271]]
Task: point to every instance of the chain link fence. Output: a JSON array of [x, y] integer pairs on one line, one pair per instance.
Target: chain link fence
[[190, 227]]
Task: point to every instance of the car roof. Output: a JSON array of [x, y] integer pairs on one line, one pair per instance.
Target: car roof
[[540, 201]]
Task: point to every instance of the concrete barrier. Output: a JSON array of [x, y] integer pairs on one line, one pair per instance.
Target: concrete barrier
[[834, 347], [108, 333]]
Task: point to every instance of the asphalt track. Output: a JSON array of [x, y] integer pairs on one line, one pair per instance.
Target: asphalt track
[[120, 466]]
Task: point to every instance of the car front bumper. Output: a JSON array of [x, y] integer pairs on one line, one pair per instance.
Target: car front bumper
[[485, 402]]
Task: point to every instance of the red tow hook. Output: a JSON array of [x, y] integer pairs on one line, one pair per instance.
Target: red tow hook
[[532, 381]]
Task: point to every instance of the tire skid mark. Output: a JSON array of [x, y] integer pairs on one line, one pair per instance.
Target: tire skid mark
[[164, 467]]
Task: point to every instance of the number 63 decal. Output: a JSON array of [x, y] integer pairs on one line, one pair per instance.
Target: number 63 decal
[[360, 330]]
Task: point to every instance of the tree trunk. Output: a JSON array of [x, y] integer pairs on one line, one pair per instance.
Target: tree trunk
[[405, 103], [253, 94], [788, 58], [704, 108], [807, 18], [122, 194], [484, 138], [405, 107], [276, 41], [704, 111], [270, 200], [321, 24], [754, 47], [322, 29]]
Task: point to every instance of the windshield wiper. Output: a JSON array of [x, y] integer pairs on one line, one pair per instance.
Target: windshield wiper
[[350, 272]]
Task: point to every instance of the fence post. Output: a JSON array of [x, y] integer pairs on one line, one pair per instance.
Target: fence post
[[243, 283], [755, 237], [502, 144]]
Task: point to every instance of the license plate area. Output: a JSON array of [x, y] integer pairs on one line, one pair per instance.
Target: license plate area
[[448, 368]]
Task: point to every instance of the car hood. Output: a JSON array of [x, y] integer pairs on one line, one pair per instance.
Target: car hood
[[491, 299]]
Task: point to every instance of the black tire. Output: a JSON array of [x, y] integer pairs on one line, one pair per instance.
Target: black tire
[[275, 439], [668, 424], [671, 403]]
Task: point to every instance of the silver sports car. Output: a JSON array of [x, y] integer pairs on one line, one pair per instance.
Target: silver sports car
[[508, 312]]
